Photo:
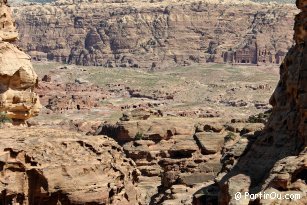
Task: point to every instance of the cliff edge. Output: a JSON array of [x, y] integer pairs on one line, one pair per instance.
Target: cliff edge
[[274, 161]]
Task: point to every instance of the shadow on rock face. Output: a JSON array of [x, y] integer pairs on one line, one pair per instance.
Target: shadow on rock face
[[276, 160]]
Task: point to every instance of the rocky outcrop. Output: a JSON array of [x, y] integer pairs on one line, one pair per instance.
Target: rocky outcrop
[[176, 155], [173, 160], [7, 31], [155, 34], [17, 77], [274, 161], [45, 166], [59, 97]]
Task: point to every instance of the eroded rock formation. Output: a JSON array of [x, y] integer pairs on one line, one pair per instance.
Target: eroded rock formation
[[45, 166], [175, 156], [276, 160], [17, 77], [155, 35]]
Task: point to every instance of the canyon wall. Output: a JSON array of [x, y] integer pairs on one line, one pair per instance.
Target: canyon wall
[[274, 161], [155, 35]]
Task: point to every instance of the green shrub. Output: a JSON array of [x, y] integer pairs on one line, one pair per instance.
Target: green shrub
[[139, 136], [260, 118], [230, 136], [4, 119]]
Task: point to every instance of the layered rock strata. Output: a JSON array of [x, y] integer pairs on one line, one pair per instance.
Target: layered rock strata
[[46, 166], [157, 34], [17, 77], [175, 156], [276, 160]]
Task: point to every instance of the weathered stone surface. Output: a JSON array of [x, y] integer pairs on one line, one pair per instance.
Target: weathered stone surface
[[153, 129], [67, 97], [210, 143], [168, 155], [60, 167], [17, 77], [8, 30], [155, 34], [192, 179], [274, 160]]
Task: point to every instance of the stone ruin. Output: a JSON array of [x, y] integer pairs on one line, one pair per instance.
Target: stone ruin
[[17, 77], [250, 53]]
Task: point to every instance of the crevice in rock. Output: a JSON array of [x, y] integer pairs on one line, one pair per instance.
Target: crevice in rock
[[36, 182], [209, 195], [179, 154], [28, 160], [13, 154], [300, 174], [1, 166], [88, 146]]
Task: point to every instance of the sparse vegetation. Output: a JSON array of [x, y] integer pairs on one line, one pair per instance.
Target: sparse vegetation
[[260, 118], [139, 136], [230, 136], [4, 119], [193, 87]]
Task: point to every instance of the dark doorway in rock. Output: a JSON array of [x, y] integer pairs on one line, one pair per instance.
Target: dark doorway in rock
[[78, 107], [243, 61]]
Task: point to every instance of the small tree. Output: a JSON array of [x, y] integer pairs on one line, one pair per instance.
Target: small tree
[[4, 119]]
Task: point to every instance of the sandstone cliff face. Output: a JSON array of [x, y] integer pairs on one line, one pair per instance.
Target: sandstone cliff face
[[44, 166], [154, 35], [17, 77], [276, 160], [8, 31]]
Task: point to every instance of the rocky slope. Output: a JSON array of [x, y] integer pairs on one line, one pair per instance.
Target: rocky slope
[[276, 160], [175, 156], [17, 77], [45, 166], [48, 166], [157, 34]]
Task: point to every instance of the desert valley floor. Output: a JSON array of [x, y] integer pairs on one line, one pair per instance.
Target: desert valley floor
[[216, 91]]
